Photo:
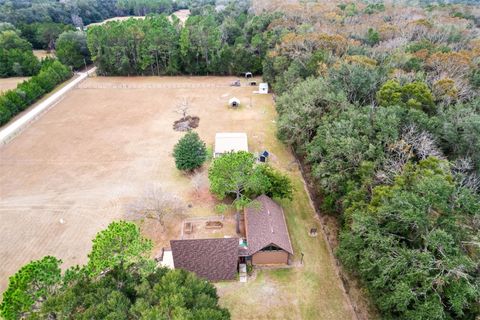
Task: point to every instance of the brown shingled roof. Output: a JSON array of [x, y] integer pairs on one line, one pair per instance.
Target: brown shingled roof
[[212, 259], [266, 225]]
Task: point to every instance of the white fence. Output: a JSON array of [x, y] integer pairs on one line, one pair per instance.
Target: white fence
[[14, 128]]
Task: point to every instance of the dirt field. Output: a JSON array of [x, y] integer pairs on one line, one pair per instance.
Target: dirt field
[[10, 83], [181, 14], [81, 164], [41, 54]]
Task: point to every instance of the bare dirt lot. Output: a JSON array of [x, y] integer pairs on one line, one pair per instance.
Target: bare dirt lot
[[10, 83], [78, 167]]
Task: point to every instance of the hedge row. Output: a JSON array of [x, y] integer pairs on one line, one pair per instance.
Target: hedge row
[[14, 101]]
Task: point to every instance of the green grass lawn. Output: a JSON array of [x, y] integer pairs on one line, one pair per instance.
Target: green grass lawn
[[310, 290]]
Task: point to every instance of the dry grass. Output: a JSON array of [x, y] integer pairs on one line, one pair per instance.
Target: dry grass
[[108, 140], [98, 150], [10, 83], [42, 54]]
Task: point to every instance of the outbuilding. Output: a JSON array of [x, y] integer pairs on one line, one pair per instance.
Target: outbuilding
[[230, 141], [263, 88], [234, 102]]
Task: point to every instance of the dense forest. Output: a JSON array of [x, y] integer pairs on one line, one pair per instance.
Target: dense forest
[[80, 12], [382, 104], [229, 41], [379, 100]]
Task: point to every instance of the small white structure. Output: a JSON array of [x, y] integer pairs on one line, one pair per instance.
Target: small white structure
[[234, 102], [230, 141], [248, 75], [167, 259], [263, 88]]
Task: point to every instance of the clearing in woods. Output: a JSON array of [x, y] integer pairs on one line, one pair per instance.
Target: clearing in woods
[[108, 141], [10, 83]]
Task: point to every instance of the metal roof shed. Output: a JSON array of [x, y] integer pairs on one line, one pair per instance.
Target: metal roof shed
[[230, 141]]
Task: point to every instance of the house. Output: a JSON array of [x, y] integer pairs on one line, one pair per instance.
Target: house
[[268, 241], [213, 259], [230, 141], [263, 88], [234, 102]]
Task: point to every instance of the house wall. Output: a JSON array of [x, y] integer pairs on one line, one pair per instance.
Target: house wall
[[270, 257]]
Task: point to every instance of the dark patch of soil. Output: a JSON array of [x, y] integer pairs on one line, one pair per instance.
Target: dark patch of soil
[[186, 123]]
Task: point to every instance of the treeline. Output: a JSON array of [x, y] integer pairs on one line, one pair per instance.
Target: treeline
[[387, 117], [14, 101], [16, 55], [119, 281], [229, 41], [80, 12]]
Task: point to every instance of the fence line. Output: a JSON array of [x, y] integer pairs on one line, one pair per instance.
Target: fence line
[[17, 126], [151, 86]]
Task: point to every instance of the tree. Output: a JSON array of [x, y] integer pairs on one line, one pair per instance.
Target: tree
[[302, 108], [156, 204], [119, 245], [373, 37], [190, 152], [412, 95], [71, 49], [134, 290], [279, 185], [135, 293], [16, 56], [359, 81], [236, 174], [30, 285], [408, 245], [47, 34]]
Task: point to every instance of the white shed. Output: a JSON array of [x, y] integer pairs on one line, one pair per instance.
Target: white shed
[[230, 141], [263, 88], [234, 102]]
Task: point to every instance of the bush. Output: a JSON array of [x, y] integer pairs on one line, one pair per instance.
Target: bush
[[190, 152]]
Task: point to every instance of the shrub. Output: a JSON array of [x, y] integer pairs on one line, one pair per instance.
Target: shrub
[[190, 152], [27, 92]]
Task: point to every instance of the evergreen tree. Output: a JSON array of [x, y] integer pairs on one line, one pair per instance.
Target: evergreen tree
[[190, 152]]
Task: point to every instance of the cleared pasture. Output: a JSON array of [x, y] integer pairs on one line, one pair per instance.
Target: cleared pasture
[[107, 142]]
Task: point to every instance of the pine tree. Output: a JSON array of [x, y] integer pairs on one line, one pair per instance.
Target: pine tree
[[190, 152]]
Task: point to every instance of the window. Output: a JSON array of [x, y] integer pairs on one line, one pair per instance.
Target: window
[[271, 248]]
